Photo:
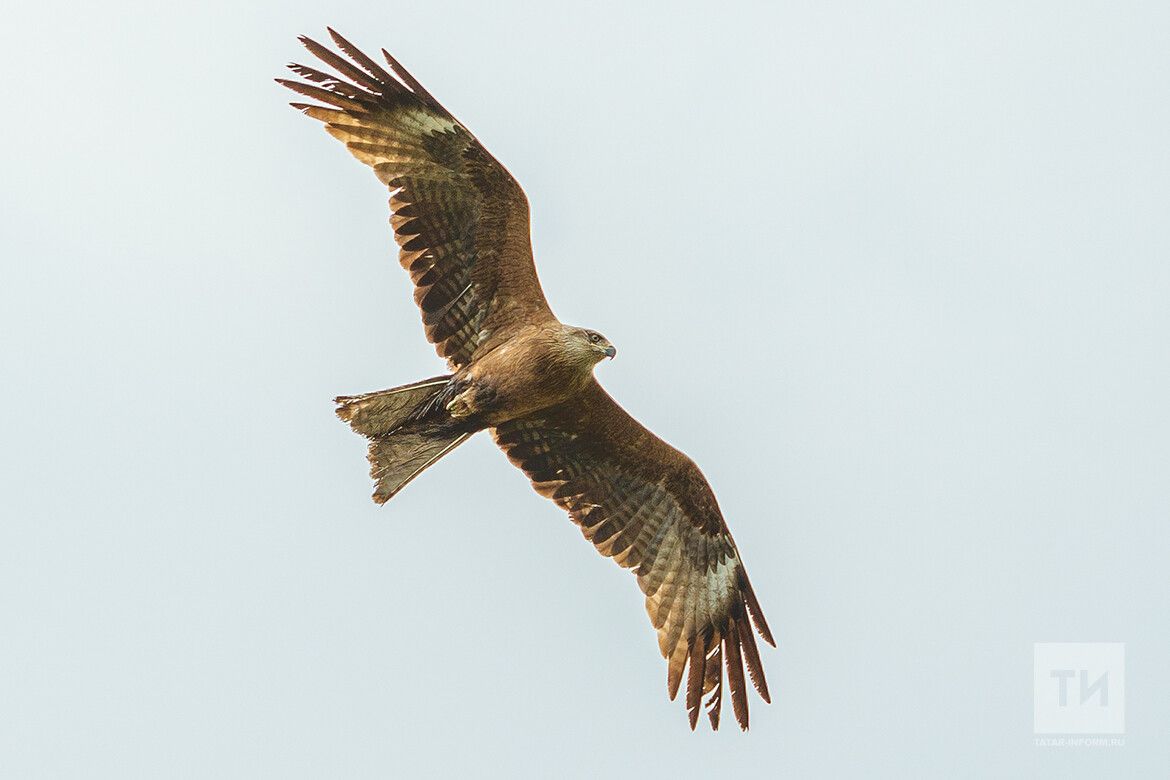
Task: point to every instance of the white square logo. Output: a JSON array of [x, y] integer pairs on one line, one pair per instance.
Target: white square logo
[[1079, 688]]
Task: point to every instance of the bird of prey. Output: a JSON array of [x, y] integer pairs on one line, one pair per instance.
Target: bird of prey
[[461, 223]]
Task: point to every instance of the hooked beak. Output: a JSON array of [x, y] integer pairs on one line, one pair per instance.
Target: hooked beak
[[610, 351]]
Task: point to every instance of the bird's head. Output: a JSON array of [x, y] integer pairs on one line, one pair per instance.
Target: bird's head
[[590, 345]]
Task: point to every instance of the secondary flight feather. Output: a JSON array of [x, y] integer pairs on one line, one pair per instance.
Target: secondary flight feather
[[461, 223]]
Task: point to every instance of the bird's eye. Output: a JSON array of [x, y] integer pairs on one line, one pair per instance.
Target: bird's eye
[[594, 337]]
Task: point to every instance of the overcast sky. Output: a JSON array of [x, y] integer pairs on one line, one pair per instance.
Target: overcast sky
[[894, 274]]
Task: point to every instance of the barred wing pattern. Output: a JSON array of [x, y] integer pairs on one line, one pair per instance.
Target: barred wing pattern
[[460, 219], [647, 506]]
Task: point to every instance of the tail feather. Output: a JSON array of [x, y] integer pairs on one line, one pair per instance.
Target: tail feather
[[397, 458], [408, 428], [373, 414]]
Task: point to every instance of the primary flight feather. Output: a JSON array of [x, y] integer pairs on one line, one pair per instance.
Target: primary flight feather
[[461, 222]]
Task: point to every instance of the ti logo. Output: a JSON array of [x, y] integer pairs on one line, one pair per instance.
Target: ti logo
[[1079, 688]]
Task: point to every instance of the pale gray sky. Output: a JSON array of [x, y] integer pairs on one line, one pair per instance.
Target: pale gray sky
[[895, 275]]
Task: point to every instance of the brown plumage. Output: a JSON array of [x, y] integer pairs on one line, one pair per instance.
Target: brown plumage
[[461, 222]]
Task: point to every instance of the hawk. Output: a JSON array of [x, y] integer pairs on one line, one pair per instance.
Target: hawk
[[461, 223]]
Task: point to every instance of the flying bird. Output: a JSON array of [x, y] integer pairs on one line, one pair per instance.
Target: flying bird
[[461, 223]]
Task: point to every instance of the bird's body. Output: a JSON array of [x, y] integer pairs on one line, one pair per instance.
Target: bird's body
[[461, 222], [538, 366]]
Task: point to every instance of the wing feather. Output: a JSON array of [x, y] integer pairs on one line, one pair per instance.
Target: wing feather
[[697, 664], [460, 219], [647, 505]]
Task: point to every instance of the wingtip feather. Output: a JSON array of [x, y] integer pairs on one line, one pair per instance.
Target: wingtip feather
[[739, 702], [355, 54], [753, 607], [697, 668], [673, 679], [751, 657]]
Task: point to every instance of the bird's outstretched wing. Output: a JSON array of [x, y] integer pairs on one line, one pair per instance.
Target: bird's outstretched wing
[[460, 219], [647, 506]]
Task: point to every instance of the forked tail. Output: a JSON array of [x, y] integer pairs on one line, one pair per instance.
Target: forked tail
[[409, 430]]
